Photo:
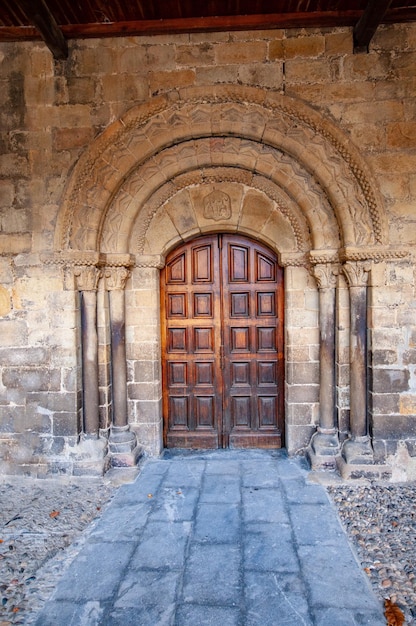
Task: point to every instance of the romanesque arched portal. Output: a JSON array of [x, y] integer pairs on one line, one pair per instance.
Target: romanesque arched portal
[[227, 159]]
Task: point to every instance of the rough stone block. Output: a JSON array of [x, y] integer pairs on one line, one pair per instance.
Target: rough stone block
[[303, 373], [298, 437], [223, 74], [385, 403], [239, 52], [41, 62], [13, 332], [401, 135], [315, 71], [81, 90], [124, 87], [270, 75], [146, 371], [163, 81], [408, 404], [390, 380], [14, 166], [302, 393], [88, 61], [37, 91], [7, 194], [394, 427], [276, 50], [300, 414], [310, 46], [384, 357], [409, 357], [32, 379], [196, 55], [69, 138], [65, 424], [339, 42]]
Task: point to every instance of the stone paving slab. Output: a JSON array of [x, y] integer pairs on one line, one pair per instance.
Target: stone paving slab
[[221, 538]]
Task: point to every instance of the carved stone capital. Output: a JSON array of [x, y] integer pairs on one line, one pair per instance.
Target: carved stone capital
[[325, 275], [116, 278], [356, 273], [86, 277]]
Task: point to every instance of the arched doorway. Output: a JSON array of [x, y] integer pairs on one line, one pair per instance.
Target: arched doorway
[[290, 179], [222, 344]]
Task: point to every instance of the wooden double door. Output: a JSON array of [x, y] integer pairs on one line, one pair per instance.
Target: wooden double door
[[222, 345]]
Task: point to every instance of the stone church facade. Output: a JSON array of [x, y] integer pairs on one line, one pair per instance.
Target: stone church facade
[[133, 146]]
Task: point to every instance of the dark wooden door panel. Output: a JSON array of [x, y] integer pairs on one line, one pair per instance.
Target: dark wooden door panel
[[222, 338], [253, 335]]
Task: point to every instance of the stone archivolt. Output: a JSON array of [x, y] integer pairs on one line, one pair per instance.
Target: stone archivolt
[[131, 169], [294, 192]]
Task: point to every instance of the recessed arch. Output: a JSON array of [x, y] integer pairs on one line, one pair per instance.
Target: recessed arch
[[286, 133], [295, 194]]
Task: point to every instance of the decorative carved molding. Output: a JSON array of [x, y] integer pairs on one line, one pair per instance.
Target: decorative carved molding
[[218, 175], [356, 273], [375, 254], [73, 258], [116, 278], [86, 278], [325, 275], [197, 108], [323, 256], [294, 260]]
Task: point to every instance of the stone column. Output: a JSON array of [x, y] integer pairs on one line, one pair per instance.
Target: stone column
[[325, 442], [122, 442], [86, 280], [357, 449]]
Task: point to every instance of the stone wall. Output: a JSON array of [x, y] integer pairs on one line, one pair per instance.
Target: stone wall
[[52, 112]]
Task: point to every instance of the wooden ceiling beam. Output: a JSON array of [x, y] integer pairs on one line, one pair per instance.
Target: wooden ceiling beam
[[368, 23], [315, 19], [39, 14], [192, 24]]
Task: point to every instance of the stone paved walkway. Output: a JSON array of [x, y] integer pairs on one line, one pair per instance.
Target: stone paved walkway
[[227, 538]]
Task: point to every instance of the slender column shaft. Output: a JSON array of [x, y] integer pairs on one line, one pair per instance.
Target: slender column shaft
[[357, 276], [326, 278], [327, 360], [90, 361], [86, 281], [115, 282], [118, 357], [358, 362]]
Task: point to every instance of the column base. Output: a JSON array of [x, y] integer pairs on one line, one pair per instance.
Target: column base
[[90, 458], [357, 461], [358, 451], [323, 450], [123, 450], [350, 471]]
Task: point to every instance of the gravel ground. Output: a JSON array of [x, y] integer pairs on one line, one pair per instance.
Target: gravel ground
[[380, 519], [42, 524]]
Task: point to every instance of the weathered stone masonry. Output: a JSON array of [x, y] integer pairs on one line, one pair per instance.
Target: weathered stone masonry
[[105, 162]]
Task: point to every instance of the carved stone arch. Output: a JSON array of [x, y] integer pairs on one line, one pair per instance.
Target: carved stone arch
[[295, 193], [299, 133]]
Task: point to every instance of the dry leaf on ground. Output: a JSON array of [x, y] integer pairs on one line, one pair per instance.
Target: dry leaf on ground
[[393, 614]]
